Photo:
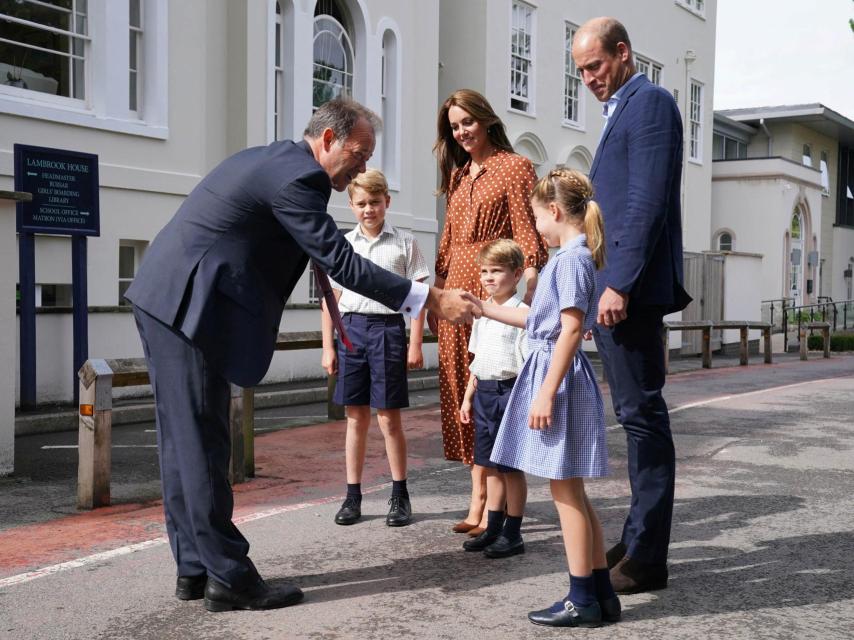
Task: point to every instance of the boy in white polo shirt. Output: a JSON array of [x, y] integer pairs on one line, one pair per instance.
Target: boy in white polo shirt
[[374, 373], [499, 352]]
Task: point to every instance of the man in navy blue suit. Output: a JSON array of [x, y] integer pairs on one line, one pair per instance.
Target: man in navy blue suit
[[208, 301], [636, 178]]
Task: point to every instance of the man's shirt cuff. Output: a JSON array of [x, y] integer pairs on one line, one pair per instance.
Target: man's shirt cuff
[[414, 302]]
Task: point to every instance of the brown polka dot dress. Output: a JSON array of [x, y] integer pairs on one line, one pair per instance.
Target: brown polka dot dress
[[491, 205]]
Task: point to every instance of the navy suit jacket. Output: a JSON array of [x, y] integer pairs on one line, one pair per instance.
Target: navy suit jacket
[[636, 177], [222, 269]]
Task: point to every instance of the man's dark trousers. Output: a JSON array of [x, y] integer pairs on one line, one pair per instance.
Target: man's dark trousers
[[633, 354], [194, 449]]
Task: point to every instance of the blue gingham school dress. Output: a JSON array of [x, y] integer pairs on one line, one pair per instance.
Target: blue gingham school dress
[[574, 445]]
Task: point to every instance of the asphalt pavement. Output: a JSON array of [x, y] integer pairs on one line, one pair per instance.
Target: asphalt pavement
[[761, 548]]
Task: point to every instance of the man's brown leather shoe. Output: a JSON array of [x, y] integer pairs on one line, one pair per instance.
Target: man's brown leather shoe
[[631, 576], [615, 554]]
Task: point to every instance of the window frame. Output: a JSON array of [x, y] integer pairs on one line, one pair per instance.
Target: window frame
[[106, 105], [570, 29], [352, 59], [138, 247], [528, 100], [695, 7], [654, 68], [695, 122]]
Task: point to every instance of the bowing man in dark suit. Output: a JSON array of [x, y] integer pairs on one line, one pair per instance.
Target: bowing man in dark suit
[[636, 176], [208, 300]]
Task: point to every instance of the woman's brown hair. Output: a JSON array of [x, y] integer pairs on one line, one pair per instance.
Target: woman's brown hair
[[450, 154], [572, 191]]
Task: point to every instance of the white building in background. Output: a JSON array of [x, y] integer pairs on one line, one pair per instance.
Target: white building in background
[[782, 186]]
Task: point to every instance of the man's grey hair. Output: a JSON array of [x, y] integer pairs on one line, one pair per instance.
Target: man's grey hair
[[341, 115]]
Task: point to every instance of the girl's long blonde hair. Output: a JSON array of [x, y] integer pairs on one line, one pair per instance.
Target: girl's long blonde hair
[[572, 191]]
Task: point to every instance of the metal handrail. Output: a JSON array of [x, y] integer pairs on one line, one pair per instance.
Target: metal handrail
[[824, 309]]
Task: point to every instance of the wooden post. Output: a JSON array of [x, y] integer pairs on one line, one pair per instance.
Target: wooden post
[[665, 338], [707, 347], [825, 334], [333, 411], [742, 351], [94, 440], [249, 432], [802, 338], [766, 334], [236, 469]]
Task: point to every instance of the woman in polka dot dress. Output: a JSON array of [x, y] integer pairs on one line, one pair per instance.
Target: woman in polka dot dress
[[488, 191]]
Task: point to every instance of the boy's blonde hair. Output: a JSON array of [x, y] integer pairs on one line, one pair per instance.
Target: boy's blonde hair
[[572, 191], [372, 180], [502, 252]]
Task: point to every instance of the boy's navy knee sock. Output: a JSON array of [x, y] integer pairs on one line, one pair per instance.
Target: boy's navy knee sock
[[604, 589], [582, 590], [494, 521], [398, 488], [511, 527], [355, 491]]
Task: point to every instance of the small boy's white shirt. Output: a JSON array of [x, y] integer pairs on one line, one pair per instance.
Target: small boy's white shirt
[[499, 349]]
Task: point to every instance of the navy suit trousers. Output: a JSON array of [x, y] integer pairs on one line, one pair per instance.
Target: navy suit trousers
[[633, 355], [194, 449]]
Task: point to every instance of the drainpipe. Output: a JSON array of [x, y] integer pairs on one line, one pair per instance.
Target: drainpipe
[[768, 134]]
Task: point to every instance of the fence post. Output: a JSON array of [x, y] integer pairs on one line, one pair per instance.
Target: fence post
[[707, 347], [802, 339], [742, 355], [825, 334], [766, 333], [94, 438], [236, 470], [785, 329]]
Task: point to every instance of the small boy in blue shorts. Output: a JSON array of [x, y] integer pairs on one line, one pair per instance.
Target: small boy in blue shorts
[[499, 352], [373, 375]]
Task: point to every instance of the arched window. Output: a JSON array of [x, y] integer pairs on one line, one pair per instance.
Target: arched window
[[332, 73], [389, 85], [725, 241]]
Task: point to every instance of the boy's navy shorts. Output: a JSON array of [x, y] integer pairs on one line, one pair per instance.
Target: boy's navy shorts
[[374, 373], [490, 401]]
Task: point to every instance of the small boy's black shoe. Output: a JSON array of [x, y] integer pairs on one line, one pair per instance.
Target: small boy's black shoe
[[504, 548], [482, 541], [612, 611], [566, 614], [399, 512], [350, 511]]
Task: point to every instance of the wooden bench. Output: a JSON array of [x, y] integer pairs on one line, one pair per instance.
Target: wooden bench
[[98, 378], [824, 327], [706, 327]]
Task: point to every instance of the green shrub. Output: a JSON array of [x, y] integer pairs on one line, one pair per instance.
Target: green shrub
[[815, 343], [838, 342]]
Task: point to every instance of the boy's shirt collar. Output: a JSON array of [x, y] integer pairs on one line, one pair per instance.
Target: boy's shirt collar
[[387, 228]]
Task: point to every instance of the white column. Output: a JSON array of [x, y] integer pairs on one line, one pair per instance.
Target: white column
[[8, 330]]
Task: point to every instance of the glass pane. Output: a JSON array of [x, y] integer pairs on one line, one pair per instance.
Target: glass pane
[[132, 51], [79, 82], [725, 242], [126, 262], [731, 149], [135, 14], [58, 15], [717, 147], [132, 98]]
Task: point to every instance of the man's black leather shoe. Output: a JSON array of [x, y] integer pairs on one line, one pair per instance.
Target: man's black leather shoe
[[612, 611], [260, 595], [504, 548], [566, 614], [350, 511], [399, 512], [615, 554], [481, 542], [190, 587], [631, 576]]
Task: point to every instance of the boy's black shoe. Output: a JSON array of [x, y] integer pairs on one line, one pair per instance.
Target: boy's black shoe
[[190, 587], [482, 541], [399, 512], [350, 511], [566, 614], [504, 548]]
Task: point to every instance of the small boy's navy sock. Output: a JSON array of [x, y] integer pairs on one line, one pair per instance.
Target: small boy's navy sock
[[604, 589], [582, 590], [494, 521], [355, 491], [511, 528], [398, 488]]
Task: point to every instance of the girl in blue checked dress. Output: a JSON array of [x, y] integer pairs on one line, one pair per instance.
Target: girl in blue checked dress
[[554, 424]]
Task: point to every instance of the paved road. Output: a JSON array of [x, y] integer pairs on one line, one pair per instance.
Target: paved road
[[762, 543]]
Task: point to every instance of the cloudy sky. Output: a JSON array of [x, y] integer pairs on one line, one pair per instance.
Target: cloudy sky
[[784, 52]]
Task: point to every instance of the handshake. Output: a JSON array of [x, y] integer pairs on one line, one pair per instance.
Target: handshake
[[454, 305]]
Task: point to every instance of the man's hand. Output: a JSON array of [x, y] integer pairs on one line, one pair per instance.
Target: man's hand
[[613, 306], [453, 305]]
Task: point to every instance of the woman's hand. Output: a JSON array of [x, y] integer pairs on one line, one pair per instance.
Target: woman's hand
[[329, 361], [540, 415]]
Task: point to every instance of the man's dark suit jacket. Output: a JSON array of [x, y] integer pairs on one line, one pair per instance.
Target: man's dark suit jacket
[[222, 269], [636, 176]]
